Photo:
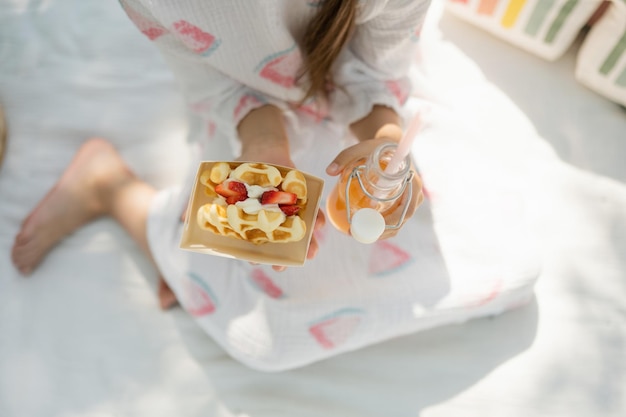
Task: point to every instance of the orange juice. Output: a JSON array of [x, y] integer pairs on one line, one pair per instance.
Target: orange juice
[[369, 187]]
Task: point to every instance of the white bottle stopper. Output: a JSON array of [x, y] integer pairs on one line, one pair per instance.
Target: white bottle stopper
[[367, 225]]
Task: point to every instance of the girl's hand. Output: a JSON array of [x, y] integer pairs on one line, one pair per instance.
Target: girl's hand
[[362, 150]]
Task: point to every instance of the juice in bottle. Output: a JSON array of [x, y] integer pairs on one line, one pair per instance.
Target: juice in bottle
[[366, 188]]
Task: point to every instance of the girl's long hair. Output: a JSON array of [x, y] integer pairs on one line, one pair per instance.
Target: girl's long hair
[[325, 36]]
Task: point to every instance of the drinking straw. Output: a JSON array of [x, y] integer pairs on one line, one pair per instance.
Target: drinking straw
[[404, 146]]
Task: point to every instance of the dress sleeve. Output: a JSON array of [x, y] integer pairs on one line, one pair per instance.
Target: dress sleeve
[[373, 68], [221, 100]]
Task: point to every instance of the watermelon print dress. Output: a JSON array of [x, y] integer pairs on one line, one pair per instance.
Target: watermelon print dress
[[458, 258]]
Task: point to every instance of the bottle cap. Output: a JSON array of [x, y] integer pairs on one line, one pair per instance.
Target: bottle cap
[[367, 225]]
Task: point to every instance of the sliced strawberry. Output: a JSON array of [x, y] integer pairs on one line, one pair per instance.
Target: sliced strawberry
[[278, 197], [233, 191], [235, 198], [289, 209]]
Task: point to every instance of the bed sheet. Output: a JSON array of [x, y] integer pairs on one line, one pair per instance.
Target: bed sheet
[[83, 336]]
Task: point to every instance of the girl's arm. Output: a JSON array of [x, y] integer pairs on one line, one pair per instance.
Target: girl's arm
[[263, 136], [381, 122]]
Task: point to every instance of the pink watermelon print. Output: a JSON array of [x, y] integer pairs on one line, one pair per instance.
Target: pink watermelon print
[[262, 281], [318, 110], [399, 89], [415, 36], [386, 258], [492, 290], [335, 329], [196, 39], [200, 107], [150, 28], [199, 299], [246, 103], [210, 129], [281, 68]]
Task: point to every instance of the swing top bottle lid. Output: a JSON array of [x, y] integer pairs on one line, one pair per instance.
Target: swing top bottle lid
[[367, 225]]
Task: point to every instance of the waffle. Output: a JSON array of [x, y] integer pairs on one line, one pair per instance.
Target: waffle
[[249, 219]]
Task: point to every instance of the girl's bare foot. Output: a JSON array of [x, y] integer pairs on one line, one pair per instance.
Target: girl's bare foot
[[79, 197]]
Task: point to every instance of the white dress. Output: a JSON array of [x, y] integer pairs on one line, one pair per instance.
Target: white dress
[[464, 254]]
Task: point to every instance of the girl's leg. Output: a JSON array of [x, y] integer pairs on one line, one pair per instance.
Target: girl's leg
[[96, 183], [167, 298], [3, 136]]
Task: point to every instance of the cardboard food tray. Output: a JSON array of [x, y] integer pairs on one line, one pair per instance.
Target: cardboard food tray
[[199, 240]]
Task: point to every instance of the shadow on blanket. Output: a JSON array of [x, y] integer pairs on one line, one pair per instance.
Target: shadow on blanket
[[400, 377], [84, 334]]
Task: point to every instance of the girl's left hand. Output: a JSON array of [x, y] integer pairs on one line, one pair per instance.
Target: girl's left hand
[[362, 150]]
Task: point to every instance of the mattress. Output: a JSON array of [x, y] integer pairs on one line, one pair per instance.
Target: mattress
[[83, 336]]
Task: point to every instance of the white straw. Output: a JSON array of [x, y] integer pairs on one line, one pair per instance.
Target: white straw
[[404, 146]]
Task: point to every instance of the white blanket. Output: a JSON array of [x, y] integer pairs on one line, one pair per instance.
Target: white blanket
[[83, 335]]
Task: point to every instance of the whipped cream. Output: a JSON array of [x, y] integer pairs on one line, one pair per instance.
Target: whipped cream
[[253, 206], [256, 191]]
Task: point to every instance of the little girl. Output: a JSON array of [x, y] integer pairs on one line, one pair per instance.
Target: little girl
[[312, 84]]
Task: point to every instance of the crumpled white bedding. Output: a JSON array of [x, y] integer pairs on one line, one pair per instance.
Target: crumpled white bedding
[[83, 335]]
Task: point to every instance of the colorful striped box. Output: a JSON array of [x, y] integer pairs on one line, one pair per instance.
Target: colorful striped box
[[543, 27], [601, 60]]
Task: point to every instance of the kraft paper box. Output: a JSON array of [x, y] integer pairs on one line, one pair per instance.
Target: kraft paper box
[[196, 239]]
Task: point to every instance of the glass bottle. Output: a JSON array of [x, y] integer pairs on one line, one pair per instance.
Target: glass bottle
[[367, 200]]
